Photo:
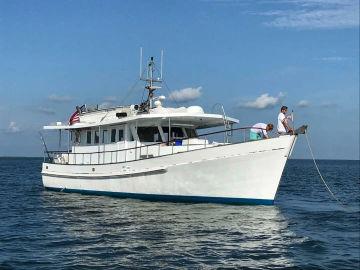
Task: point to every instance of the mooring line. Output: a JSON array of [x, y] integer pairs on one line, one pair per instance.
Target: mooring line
[[317, 168]]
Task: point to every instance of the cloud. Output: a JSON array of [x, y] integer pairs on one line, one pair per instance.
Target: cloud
[[314, 14], [264, 101], [45, 110], [13, 128], [303, 104], [185, 94], [57, 98]]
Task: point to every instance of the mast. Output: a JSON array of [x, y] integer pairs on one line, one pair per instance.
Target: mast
[[152, 83]]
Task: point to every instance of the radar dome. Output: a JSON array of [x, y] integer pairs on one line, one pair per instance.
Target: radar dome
[[195, 110], [157, 103]]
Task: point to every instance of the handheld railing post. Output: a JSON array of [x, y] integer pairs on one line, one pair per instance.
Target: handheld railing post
[[90, 158], [147, 151], [75, 158], [83, 159], [187, 147], [172, 148], [159, 150], [140, 152], [205, 141], [135, 150]]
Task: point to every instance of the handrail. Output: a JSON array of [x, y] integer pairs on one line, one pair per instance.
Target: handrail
[[159, 143], [78, 158]]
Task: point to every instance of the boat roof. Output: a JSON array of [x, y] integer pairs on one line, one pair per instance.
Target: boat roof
[[192, 116]]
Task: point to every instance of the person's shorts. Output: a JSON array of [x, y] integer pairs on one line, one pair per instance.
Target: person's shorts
[[254, 136]]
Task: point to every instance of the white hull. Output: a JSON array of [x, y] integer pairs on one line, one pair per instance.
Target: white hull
[[235, 173]]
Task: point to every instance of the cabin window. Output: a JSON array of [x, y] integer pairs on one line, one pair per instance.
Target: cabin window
[[166, 133], [96, 137], [176, 133], [77, 136], [113, 135], [105, 136], [149, 134], [88, 137], [190, 132], [121, 135]]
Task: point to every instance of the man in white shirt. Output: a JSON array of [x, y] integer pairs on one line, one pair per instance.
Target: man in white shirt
[[259, 131], [282, 126]]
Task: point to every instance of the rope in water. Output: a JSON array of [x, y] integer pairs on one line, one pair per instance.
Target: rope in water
[[317, 168]]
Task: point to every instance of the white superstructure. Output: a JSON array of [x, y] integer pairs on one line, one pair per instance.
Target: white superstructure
[[153, 152]]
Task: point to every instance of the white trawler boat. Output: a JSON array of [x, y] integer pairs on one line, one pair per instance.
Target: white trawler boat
[[152, 152]]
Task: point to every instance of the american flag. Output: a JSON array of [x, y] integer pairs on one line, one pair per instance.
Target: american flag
[[74, 118]]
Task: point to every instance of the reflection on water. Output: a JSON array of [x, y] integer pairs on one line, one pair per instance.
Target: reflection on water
[[303, 230], [166, 234]]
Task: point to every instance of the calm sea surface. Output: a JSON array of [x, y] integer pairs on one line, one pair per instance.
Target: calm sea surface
[[305, 229]]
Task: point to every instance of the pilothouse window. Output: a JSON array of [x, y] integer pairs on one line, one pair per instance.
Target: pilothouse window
[[96, 138], [149, 134], [190, 132], [176, 133]]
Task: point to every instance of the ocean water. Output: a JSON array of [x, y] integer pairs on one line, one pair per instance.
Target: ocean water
[[304, 229]]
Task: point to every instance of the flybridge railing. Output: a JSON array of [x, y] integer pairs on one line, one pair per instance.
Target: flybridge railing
[[152, 150]]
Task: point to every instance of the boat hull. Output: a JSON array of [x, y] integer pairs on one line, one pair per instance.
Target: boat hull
[[244, 173]]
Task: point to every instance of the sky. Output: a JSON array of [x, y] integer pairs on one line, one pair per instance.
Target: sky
[[250, 56]]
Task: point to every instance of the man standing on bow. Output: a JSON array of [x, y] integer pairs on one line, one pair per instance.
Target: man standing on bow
[[282, 126]]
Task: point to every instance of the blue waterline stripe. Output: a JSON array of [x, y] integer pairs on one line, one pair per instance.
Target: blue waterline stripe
[[170, 198]]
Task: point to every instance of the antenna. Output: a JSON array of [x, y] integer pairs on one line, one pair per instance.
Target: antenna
[[161, 68], [152, 83], [140, 71]]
